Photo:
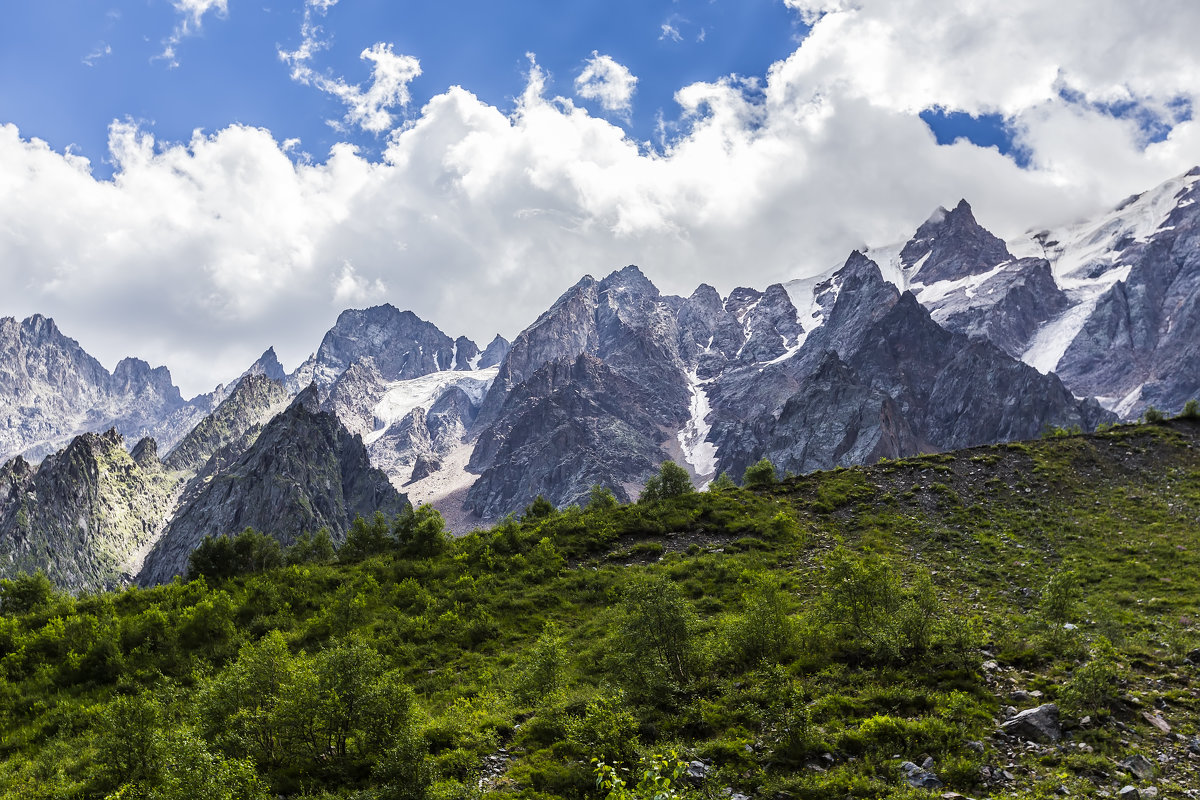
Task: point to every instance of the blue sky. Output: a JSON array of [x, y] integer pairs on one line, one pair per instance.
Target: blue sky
[[336, 167], [70, 67]]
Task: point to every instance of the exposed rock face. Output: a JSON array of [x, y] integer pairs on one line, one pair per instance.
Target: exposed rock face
[[354, 395], [951, 245], [571, 425], [51, 390], [1006, 308], [401, 343], [304, 472], [254, 400], [1141, 343], [494, 353], [623, 321], [85, 514], [881, 378], [466, 353]]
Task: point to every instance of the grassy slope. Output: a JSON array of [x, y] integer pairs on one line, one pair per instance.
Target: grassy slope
[[990, 526]]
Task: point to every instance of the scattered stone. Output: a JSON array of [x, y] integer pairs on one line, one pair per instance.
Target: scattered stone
[[1036, 724], [1128, 793], [1157, 721], [1148, 793], [1141, 767], [696, 771]]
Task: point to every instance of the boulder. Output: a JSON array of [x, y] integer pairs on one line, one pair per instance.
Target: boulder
[[1036, 724]]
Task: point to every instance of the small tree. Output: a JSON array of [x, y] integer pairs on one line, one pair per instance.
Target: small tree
[[759, 476], [657, 634], [672, 480], [1191, 409], [421, 532], [1152, 415], [540, 508], [722, 483], [601, 498]]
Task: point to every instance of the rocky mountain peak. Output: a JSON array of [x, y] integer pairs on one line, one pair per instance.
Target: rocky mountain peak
[[630, 279], [494, 353], [465, 352], [951, 245], [145, 452], [309, 400], [403, 345], [267, 365]]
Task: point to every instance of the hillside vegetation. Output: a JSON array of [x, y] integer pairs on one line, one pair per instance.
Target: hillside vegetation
[[857, 633]]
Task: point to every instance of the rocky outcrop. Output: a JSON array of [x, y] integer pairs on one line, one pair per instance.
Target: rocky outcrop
[[1141, 343], [494, 353], [1006, 308], [86, 513], [51, 390], [951, 245], [254, 400], [570, 426], [401, 344], [304, 472]]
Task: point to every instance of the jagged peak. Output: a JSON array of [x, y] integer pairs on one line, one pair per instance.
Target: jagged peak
[[309, 399], [1193, 172], [631, 278], [145, 452], [267, 364]]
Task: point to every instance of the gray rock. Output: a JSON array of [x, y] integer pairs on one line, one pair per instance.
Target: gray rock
[[1036, 724], [1139, 766]]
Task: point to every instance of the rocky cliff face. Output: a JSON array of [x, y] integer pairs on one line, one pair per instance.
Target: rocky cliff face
[[571, 425], [881, 378], [304, 472], [1140, 343], [401, 344], [254, 400], [51, 391], [87, 513]]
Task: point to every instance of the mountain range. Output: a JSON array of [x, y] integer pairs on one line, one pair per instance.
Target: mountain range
[[950, 339]]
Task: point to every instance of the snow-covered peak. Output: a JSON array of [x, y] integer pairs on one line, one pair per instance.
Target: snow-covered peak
[[1082, 252]]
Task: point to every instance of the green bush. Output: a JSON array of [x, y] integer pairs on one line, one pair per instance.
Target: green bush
[[1152, 415], [759, 476], [1191, 409]]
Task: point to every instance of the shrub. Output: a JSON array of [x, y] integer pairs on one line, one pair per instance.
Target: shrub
[[1191, 409], [759, 476], [1093, 686], [1152, 415], [672, 480]]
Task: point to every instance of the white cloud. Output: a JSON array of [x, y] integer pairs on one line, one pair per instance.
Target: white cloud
[[371, 108], [98, 52], [192, 14], [200, 254], [609, 83], [669, 31]]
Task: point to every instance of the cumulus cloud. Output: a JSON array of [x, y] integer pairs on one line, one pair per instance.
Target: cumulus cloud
[[191, 14], [199, 254], [371, 108], [607, 82]]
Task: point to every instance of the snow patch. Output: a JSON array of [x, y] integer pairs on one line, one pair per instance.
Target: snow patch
[[1125, 405], [699, 453], [942, 289], [404, 396], [1051, 341]]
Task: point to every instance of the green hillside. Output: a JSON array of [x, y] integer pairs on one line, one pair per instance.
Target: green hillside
[[802, 638]]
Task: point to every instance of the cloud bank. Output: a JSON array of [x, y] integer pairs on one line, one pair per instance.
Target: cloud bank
[[200, 254]]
